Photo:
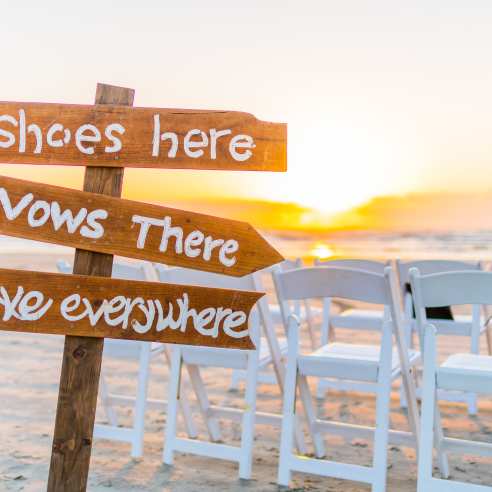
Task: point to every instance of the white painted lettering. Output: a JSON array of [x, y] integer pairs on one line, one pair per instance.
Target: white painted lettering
[[148, 309], [13, 213], [167, 233], [9, 136], [214, 137], [229, 247], [22, 131], [233, 320], [145, 223], [108, 132], [33, 128], [192, 240], [44, 208], [58, 142], [93, 229], [81, 136], [59, 218], [241, 142], [210, 244], [189, 144]]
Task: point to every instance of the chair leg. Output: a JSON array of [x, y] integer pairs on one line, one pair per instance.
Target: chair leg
[[203, 402], [408, 335], [403, 398], [471, 401], [320, 389], [288, 408], [325, 322], [141, 401], [184, 405], [488, 337], [429, 405], [307, 402], [249, 414], [172, 406], [104, 396], [300, 441], [381, 433], [310, 324], [237, 377], [471, 398]]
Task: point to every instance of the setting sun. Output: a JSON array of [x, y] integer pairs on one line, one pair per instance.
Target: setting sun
[[321, 251]]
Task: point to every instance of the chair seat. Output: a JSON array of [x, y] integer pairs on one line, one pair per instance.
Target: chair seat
[[460, 325], [466, 372], [129, 349], [276, 313], [349, 361], [358, 318], [231, 358]]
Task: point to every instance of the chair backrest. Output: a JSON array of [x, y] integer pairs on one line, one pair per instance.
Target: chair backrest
[[124, 271], [428, 267], [344, 283], [348, 284], [358, 264], [447, 289], [187, 276], [451, 288], [287, 265]]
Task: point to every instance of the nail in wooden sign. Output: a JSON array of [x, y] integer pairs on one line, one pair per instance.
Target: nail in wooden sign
[[99, 307], [122, 136], [105, 224]]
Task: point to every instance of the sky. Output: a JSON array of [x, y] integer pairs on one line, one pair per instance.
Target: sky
[[380, 97]]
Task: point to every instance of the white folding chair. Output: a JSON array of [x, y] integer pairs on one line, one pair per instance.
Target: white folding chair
[[472, 326], [358, 319], [351, 318], [195, 358], [366, 363], [461, 372], [302, 309], [144, 352]]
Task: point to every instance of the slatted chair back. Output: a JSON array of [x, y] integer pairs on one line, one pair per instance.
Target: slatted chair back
[[358, 264]]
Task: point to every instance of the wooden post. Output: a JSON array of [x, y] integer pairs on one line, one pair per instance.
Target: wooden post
[[82, 356]]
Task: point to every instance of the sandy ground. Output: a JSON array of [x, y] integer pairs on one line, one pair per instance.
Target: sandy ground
[[30, 366]]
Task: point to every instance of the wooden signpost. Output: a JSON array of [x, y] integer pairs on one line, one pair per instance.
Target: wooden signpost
[[86, 307], [100, 307], [34, 133], [126, 228]]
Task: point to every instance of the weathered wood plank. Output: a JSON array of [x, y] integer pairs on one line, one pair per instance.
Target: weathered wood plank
[[82, 356], [80, 305], [119, 136], [137, 230]]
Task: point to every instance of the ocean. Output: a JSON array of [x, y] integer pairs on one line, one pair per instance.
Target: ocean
[[456, 245], [348, 244]]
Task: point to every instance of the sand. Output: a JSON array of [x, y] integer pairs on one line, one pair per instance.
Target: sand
[[30, 367]]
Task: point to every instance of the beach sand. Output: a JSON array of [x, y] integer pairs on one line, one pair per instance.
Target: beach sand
[[30, 369]]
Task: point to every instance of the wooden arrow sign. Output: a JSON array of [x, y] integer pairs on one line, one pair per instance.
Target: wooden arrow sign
[[122, 136], [99, 307], [105, 224]]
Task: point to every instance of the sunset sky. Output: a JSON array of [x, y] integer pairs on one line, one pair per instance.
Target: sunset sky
[[381, 97]]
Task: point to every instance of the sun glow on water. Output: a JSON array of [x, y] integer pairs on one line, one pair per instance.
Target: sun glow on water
[[321, 251]]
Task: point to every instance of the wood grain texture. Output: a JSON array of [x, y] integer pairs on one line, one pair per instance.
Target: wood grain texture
[[82, 356], [269, 152], [142, 300], [121, 233]]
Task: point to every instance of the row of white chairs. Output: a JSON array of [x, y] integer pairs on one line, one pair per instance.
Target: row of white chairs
[[335, 365], [469, 372], [473, 326]]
